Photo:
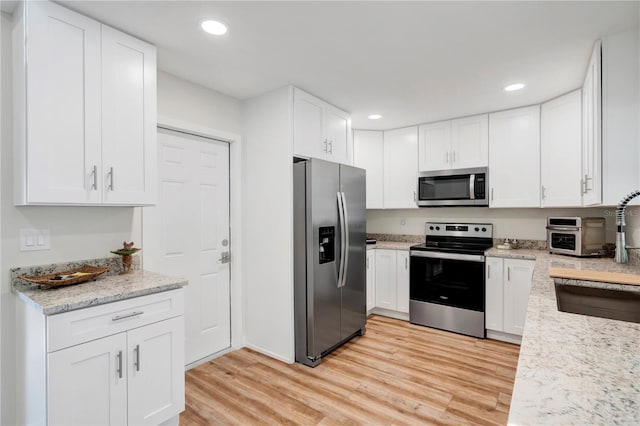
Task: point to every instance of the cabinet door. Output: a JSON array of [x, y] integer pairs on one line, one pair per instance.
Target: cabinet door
[[128, 119], [402, 281], [517, 283], [87, 383], [156, 371], [434, 149], [514, 158], [386, 296], [561, 151], [308, 135], [493, 294], [470, 142], [591, 130], [62, 107], [400, 168], [338, 135], [371, 279], [368, 154]]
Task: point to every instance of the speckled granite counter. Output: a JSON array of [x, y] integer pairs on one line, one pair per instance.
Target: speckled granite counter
[[573, 369], [105, 289], [391, 245]]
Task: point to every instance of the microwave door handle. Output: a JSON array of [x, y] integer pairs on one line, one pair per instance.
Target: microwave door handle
[[562, 228], [472, 187]]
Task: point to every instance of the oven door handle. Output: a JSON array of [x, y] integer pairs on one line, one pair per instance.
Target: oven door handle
[[452, 256], [562, 228]]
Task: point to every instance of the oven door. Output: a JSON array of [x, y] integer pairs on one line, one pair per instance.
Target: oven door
[[449, 279], [564, 240]]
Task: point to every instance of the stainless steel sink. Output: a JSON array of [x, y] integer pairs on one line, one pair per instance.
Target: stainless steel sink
[[598, 302]]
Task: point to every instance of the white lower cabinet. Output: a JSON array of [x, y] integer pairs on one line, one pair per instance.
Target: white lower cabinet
[[133, 373], [371, 280], [392, 280], [402, 281], [508, 282]]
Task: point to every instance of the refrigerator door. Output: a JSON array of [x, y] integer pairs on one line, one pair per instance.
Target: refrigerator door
[[323, 293], [354, 309]]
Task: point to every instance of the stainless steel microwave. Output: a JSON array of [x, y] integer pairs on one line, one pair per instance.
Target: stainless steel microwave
[[458, 187]]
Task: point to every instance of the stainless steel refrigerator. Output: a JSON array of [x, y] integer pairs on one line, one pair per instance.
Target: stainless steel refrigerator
[[329, 257]]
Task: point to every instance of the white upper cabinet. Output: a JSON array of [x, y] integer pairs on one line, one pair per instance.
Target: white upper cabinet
[[454, 144], [320, 130], [591, 131], [57, 142], [400, 168], [128, 119], [84, 105], [368, 154], [434, 148], [470, 141], [620, 116], [514, 158], [560, 151]]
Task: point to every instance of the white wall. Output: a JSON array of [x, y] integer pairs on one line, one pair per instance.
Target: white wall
[[524, 224], [79, 232], [268, 224], [190, 103]]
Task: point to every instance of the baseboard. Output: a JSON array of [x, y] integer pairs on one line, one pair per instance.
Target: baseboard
[[269, 353], [389, 313], [504, 337], [209, 358]]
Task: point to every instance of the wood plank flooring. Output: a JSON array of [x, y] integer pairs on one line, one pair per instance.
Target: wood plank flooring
[[398, 373]]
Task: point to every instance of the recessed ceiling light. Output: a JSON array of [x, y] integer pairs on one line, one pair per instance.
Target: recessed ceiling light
[[375, 117], [513, 87], [214, 27]]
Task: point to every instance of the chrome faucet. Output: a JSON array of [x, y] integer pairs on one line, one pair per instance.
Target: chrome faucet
[[621, 246]]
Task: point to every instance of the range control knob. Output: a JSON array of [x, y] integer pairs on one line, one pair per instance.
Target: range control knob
[[437, 228], [431, 228], [484, 229], [477, 229]]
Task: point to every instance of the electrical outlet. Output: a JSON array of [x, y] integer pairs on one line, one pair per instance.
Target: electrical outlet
[[403, 223], [35, 239]]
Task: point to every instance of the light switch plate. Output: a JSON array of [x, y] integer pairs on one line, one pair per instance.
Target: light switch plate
[[35, 239]]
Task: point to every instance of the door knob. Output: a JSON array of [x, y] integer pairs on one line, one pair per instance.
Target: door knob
[[225, 257]]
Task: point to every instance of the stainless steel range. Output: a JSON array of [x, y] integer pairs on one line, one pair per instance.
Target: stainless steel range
[[447, 284]]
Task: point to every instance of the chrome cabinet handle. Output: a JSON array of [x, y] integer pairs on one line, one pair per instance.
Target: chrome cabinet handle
[[367, 263], [508, 273], [326, 146], [454, 157], [94, 173], [415, 196], [491, 194], [132, 314], [119, 369], [110, 174], [137, 362], [446, 159], [586, 181], [488, 271], [542, 189], [406, 263], [330, 147]]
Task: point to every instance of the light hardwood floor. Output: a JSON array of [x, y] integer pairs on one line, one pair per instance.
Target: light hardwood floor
[[397, 373]]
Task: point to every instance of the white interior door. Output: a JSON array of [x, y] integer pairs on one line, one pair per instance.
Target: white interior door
[[187, 232]]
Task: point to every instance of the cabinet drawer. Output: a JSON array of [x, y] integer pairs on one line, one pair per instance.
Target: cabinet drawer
[[83, 325]]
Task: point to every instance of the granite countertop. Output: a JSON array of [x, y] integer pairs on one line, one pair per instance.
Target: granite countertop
[[106, 289], [573, 369], [391, 245]]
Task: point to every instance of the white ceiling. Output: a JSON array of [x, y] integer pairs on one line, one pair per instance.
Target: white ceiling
[[412, 62]]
